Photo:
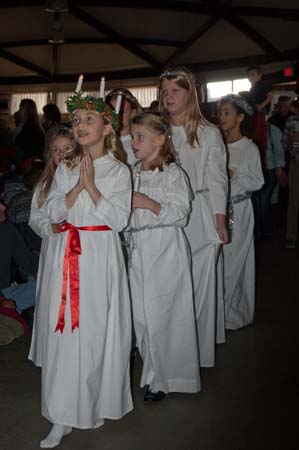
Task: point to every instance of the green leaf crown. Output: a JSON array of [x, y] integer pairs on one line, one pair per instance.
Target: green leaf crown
[[78, 101]]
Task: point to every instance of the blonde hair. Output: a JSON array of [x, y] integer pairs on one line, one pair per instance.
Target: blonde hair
[[158, 125], [110, 145], [47, 176], [193, 117]]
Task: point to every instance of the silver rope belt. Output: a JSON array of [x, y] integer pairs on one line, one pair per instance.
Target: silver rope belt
[[230, 210]]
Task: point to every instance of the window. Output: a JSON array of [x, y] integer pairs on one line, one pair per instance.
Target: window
[[220, 88], [40, 98]]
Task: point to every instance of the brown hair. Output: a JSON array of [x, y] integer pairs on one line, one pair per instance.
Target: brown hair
[[50, 168], [158, 125], [193, 115]]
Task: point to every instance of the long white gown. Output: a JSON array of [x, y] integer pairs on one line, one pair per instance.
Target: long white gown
[[85, 373], [239, 260], [161, 285], [205, 165], [40, 223]]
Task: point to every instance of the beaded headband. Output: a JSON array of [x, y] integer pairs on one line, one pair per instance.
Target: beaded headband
[[177, 72], [124, 93], [238, 101], [79, 101]]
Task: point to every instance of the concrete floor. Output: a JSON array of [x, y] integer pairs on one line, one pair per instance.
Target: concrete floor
[[248, 402]]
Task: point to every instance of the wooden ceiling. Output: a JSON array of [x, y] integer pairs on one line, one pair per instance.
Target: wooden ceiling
[[133, 39]]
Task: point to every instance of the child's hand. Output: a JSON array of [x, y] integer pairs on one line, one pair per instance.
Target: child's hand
[[88, 173], [81, 183], [221, 228], [142, 201]]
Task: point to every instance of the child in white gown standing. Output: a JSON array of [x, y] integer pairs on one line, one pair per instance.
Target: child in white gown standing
[[87, 337], [246, 177], [201, 153], [58, 144], [159, 266], [129, 107]]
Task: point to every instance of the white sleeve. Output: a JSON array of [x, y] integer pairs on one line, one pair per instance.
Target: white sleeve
[[250, 175], [175, 208], [217, 178], [56, 206], [39, 221], [113, 209]]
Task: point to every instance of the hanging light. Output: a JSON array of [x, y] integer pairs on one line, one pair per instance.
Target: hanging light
[[56, 6], [57, 35]]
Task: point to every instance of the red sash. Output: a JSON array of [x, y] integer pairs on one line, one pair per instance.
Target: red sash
[[71, 268]]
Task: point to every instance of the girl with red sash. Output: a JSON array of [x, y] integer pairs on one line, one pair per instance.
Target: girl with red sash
[[87, 323]]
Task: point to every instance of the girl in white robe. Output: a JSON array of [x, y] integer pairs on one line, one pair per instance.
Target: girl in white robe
[[201, 153], [87, 337], [128, 109], [246, 177], [58, 143], [159, 265]]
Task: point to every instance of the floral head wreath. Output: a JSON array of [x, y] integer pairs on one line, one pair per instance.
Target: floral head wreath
[[79, 101], [238, 101]]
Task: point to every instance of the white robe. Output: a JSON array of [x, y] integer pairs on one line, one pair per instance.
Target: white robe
[[205, 165], [127, 146], [85, 373], [40, 223], [239, 261], [161, 285]]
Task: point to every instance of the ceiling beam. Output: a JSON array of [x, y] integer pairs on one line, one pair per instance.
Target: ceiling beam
[[250, 32], [88, 40], [24, 63], [276, 13], [207, 66], [169, 5], [193, 38], [118, 38]]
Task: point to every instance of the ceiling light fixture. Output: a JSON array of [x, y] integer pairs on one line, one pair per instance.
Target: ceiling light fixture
[[57, 6], [57, 35]]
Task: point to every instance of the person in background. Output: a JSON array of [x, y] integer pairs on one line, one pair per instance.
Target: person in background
[[52, 116], [18, 210], [14, 250], [260, 92], [291, 145], [129, 108], [30, 140]]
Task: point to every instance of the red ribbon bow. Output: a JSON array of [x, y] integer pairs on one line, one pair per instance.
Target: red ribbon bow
[[71, 268]]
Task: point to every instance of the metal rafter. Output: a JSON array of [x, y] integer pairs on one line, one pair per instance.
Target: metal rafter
[[193, 38], [118, 38], [91, 40], [250, 32], [24, 63]]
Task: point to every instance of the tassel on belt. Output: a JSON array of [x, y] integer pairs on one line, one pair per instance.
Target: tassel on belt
[[71, 268]]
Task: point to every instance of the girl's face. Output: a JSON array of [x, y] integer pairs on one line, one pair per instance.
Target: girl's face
[[60, 147], [127, 112], [88, 127], [146, 144], [174, 97], [229, 118]]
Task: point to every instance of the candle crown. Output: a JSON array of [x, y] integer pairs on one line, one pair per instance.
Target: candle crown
[[79, 101]]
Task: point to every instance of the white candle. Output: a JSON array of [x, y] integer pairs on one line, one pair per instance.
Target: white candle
[[79, 84], [102, 88], [118, 103], [137, 181]]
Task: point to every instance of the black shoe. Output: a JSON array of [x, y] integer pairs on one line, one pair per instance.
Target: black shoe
[[153, 396]]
